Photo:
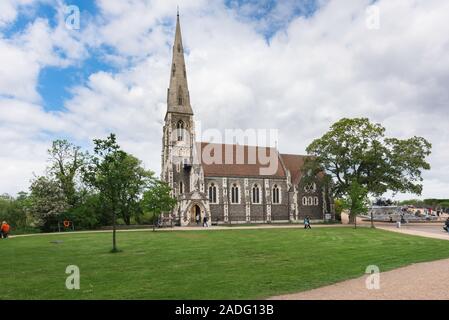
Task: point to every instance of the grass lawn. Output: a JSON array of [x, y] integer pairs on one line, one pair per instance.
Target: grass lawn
[[228, 264]]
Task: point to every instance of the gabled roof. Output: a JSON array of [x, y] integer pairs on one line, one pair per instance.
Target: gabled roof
[[231, 160], [294, 163]]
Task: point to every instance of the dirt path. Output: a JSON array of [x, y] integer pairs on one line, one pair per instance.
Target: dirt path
[[422, 281], [435, 232]]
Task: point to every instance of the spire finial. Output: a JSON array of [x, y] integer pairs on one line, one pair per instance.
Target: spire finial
[[177, 11]]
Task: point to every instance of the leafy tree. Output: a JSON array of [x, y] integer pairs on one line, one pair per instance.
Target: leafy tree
[[356, 200], [338, 206], [158, 199], [88, 214], [66, 161], [47, 201], [357, 151], [118, 178], [14, 210], [135, 180]]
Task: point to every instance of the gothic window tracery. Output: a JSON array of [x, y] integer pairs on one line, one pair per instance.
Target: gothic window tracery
[[256, 194], [235, 194], [213, 193], [276, 196]]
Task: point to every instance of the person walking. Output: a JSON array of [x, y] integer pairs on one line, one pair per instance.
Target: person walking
[[447, 225], [205, 222], [4, 230], [308, 223], [305, 222]]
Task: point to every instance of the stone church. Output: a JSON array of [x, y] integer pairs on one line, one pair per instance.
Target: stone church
[[239, 189]]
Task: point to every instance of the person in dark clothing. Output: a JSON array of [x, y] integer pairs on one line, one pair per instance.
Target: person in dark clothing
[[307, 223], [447, 225]]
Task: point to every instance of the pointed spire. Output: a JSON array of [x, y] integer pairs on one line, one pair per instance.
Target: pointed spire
[[178, 99]]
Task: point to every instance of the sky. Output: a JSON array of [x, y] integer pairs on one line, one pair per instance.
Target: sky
[[294, 66]]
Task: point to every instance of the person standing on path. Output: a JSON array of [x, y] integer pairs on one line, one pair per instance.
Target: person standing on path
[[447, 225], [308, 223]]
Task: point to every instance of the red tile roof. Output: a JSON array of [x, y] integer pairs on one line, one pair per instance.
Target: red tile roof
[[252, 161]]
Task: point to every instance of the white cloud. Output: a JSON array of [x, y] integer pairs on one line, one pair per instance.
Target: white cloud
[[307, 76]]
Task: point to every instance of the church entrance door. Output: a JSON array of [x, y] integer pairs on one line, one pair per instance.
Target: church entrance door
[[195, 214]]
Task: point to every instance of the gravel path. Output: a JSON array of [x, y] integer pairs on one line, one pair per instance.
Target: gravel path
[[421, 281]]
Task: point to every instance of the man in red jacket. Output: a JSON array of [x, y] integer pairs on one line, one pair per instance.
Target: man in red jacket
[[4, 230]]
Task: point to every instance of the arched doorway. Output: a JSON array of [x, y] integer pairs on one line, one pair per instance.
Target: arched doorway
[[195, 212]]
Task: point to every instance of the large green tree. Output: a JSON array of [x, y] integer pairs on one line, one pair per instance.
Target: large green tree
[[47, 201], [357, 151], [118, 178], [66, 161], [14, 210], [158, 199]]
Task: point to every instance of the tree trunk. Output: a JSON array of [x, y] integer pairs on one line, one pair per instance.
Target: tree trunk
[[353, 216], [154, 215], [127, 219]]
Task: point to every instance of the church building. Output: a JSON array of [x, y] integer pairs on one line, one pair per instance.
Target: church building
[[230, 183]]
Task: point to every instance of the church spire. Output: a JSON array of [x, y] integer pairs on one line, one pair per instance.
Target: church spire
[[178, 99]]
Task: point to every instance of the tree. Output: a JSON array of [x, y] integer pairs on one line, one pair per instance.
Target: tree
[[158, 199], [356, 201], [14, 210], [338, 207], [66, 161], [357, 151], [47, 201], [135, 180], [119, 179]]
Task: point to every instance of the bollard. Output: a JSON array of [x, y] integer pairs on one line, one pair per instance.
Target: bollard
[[398, 224]]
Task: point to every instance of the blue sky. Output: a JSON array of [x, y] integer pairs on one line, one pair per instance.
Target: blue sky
[[55, 82], [293, 66]]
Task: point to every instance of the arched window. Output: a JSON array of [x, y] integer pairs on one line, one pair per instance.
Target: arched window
[[179, 47], [310, 201], [304, 201], [316, 201], [174, 69], [180, 130], [235, 193], [256, 194], [181, 187], [276, 197], [180, 96], [213, 193]]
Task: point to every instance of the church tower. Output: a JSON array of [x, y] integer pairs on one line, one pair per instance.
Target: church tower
[[185, 177]]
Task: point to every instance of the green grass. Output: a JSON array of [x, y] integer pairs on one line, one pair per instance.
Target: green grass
[[229, 264]]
